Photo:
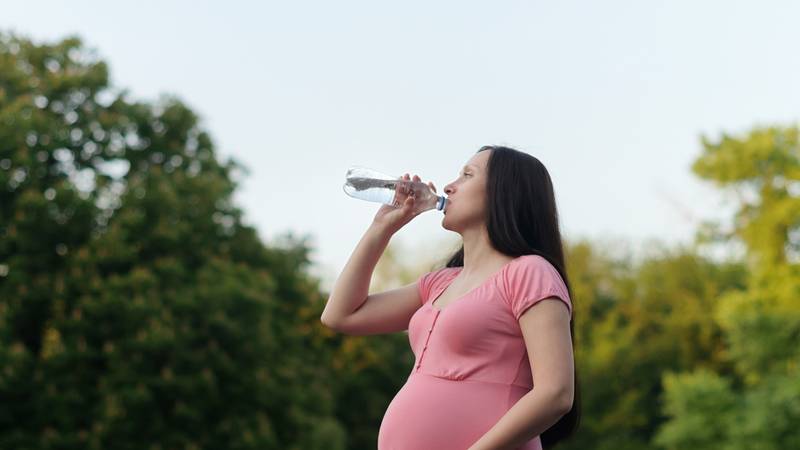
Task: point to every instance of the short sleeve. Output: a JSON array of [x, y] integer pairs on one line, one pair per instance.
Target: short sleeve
[[423, 285], [530, 279], [427, 282]]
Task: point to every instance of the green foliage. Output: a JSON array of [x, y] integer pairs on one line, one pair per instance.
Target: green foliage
[[757, 404], [634, 321], [762, 168], [706, 405], [136, 310]]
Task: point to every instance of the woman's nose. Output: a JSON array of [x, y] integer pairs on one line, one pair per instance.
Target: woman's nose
[[448, 189]]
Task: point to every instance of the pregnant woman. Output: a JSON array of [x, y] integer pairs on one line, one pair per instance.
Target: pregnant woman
[[491, 331]]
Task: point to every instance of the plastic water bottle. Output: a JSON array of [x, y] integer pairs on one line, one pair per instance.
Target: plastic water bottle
[[373, 186]]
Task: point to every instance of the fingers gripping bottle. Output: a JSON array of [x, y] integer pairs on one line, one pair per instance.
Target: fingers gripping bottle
[[373, 186]]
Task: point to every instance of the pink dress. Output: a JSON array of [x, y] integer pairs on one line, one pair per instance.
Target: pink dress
[[471, 364]]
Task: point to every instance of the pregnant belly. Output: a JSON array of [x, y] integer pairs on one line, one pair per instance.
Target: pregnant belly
[[434, 413]]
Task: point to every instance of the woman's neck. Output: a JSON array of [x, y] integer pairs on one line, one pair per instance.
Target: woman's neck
[[479, 255]]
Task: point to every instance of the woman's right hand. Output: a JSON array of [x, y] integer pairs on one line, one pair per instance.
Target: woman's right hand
[[392, 218]]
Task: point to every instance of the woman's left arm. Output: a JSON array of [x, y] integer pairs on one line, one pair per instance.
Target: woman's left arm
[[545, 328]]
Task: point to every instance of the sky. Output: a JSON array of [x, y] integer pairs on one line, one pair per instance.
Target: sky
[[613, 97]]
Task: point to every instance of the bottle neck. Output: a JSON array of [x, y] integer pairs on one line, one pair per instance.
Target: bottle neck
[[441, 202]]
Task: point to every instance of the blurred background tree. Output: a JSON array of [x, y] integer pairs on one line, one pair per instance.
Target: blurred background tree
[[136, 310], [756, 402]]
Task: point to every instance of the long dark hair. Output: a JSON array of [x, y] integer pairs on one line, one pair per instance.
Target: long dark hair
[[521, 219]]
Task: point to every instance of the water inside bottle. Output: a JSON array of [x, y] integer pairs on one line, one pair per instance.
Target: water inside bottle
[[373, 190]]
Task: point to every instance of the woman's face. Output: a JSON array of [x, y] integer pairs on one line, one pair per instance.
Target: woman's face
[[466, 196]]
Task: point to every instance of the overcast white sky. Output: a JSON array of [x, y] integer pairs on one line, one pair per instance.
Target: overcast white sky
[[611, 96]]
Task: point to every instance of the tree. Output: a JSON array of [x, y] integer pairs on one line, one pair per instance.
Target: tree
[[136, 309], [761, 323], [634, 321]]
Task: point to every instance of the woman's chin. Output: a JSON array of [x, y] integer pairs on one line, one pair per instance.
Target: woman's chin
[[447, 223]]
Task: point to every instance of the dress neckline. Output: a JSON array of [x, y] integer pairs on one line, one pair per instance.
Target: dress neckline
[[453, 276]]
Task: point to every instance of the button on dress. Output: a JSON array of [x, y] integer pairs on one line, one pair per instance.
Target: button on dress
[[471, 364]]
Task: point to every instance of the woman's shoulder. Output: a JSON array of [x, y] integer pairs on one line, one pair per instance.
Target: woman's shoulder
[[430, 280], [526, 269], [444, 270], [532, 278], [532, 260], [435, 275]]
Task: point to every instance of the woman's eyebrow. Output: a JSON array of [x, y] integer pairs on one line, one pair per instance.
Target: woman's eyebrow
[[470, 165]]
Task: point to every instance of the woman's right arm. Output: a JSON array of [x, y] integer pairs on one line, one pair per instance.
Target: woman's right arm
[[350, 309], [352, 286]]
